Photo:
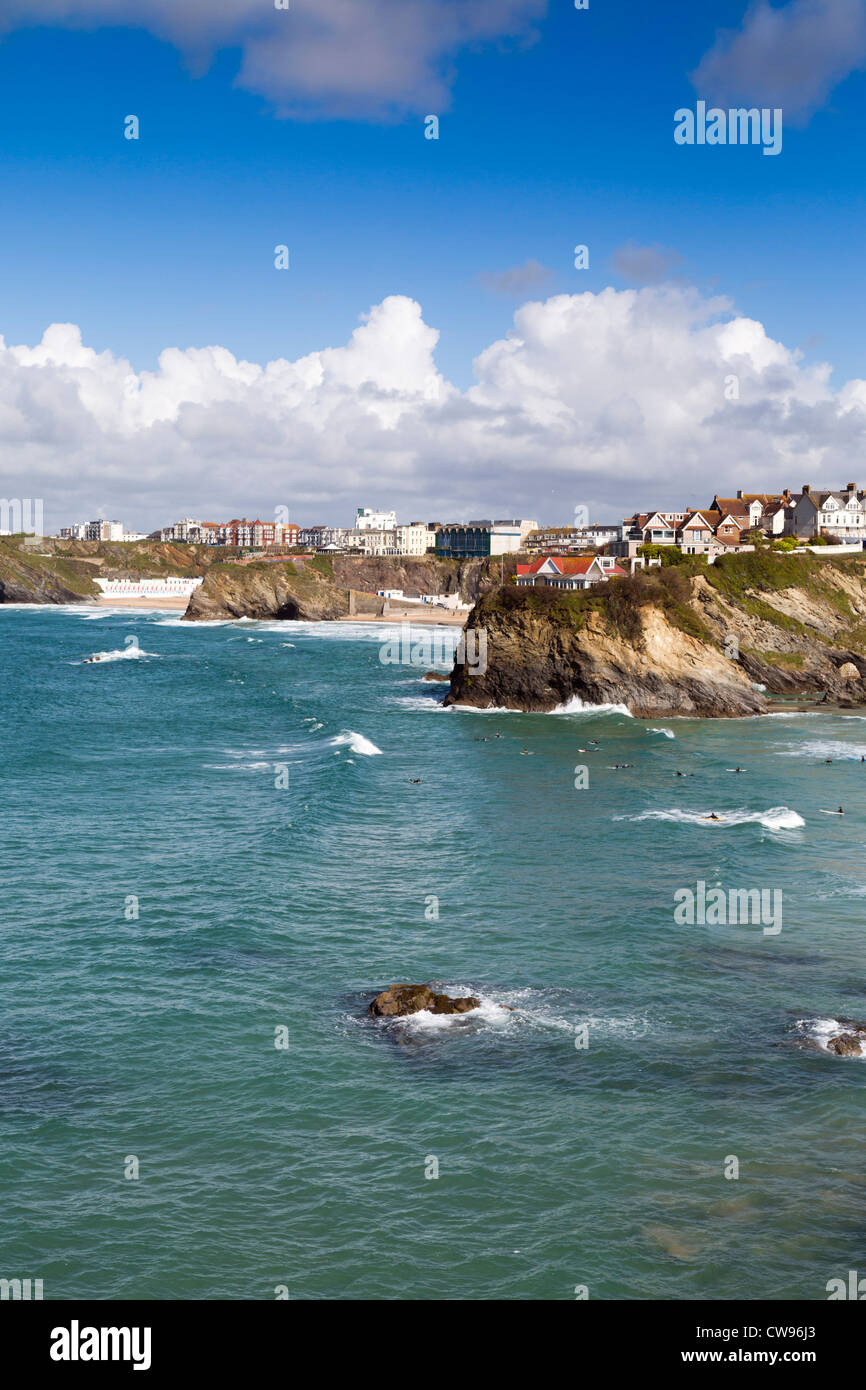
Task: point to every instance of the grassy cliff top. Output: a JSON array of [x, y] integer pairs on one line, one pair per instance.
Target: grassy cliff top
[[739, 579]]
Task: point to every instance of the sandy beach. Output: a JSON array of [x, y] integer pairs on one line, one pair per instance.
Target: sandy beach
[[177, 604], [418, 616]]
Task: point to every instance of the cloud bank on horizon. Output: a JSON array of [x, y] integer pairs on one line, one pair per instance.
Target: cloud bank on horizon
[[610, 400], [319, 58]]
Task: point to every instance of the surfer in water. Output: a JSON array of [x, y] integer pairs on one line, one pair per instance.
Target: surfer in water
[[713, 816]]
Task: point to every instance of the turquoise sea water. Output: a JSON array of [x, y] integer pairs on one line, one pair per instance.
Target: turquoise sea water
[[263, 906]]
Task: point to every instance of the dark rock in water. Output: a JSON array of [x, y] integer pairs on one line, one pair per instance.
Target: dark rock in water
[[399, 1000], [436, 676], [844, 1045]]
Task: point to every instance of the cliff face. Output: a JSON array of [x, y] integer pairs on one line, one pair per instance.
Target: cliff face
[[680, 641], [319, 588], [53, 571], [30, 575], [281, 591], [422, 575]]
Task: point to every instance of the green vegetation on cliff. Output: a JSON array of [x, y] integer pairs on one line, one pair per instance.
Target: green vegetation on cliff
[[685, 638], [747, 581], [620, 602]]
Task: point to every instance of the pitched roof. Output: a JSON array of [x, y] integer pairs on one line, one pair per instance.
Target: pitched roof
[[538, 564], [574, 564], [766, 499], [738, 506]]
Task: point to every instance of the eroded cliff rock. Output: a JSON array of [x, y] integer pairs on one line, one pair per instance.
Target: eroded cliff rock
[[280, 591], [678, 641], [48, 570]]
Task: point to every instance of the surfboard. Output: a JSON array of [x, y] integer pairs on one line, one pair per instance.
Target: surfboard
[[832, 813]]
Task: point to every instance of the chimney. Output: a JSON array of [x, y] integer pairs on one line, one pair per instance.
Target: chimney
[[851, 489], [740, 494], [807, 487]]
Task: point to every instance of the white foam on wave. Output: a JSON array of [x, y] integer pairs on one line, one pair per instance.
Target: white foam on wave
[[35, 607], [357, 742], [341, 630], [821, 1030], [489, 1013], [529, 1009], [577, 706], [195, 626], [833, 748], [426, 1022], [776, 818], [488, 709], [668, 733], [535, 1008], [425, 702], [572, 706], [236, 767], [786, 714], [124, 654]]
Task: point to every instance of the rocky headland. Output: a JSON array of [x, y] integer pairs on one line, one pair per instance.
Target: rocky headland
[[687, 639], [51, 571], [47, 570], [338, 586]]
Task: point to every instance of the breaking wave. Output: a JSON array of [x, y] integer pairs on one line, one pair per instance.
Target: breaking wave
[[357, 742], [826, 748], [821, 1030], [776, 818], [577, 706], [125, 654]]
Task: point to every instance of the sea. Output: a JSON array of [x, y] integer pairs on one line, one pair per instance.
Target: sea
[[221, 841]]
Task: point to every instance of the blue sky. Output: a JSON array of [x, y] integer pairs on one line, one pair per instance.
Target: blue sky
[[545, 142]]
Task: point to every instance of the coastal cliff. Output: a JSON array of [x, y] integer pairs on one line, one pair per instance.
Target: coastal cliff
[[281, 591], [48, 570], [319, 588], [688, 639]]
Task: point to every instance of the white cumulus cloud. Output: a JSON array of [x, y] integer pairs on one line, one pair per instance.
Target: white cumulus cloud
[[613, 400], [354, 59]]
